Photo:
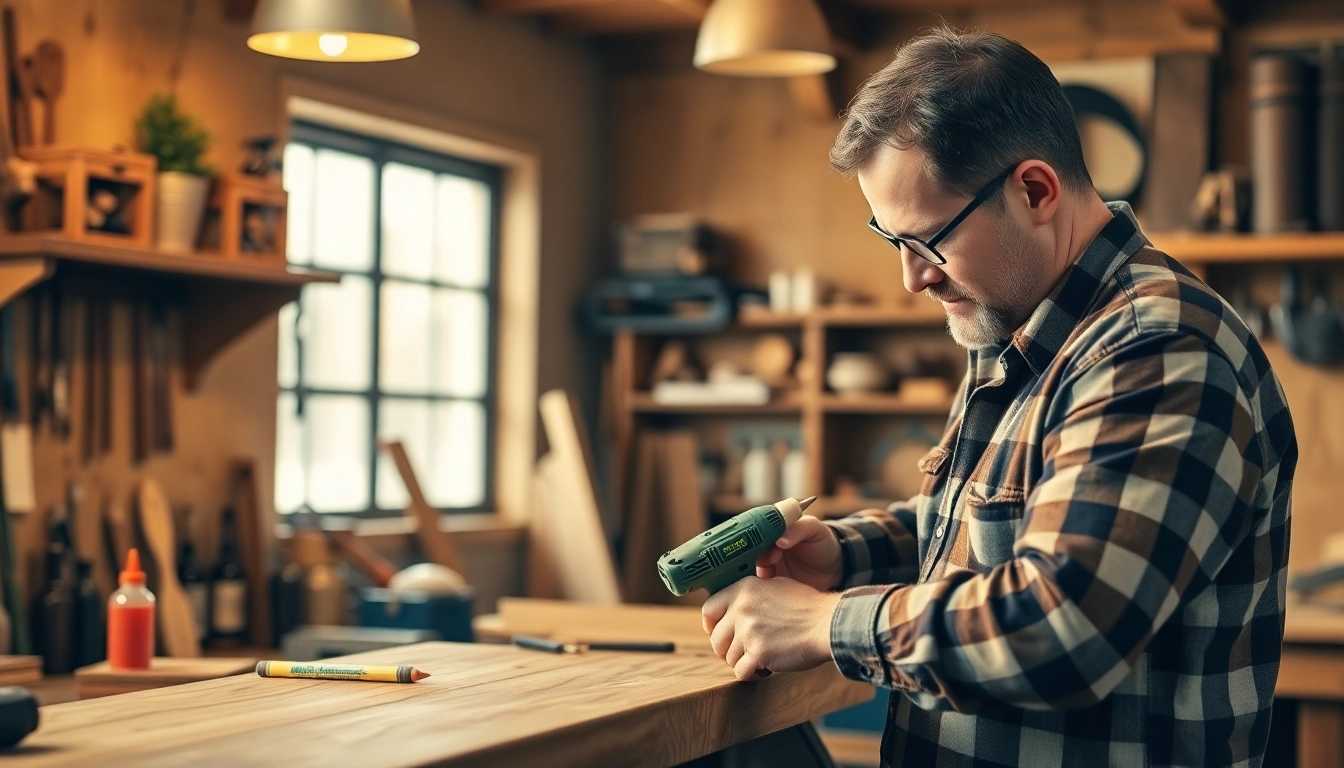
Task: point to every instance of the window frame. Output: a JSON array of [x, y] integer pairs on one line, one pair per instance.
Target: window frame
[[381, 151]]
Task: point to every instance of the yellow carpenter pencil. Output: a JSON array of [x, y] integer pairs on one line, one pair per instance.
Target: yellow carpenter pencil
[[319, 671]]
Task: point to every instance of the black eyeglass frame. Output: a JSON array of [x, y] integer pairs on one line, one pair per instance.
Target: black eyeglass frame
[[927, 249]]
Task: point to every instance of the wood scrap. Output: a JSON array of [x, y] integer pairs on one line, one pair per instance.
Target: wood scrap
[[436, 542], [253, 544], [573, 509], [643, 527], [176, 622]]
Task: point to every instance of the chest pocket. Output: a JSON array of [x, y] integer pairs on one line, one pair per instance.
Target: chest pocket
[[989, 527], [934, 467]]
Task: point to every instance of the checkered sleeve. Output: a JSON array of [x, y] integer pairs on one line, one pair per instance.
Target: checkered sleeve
[[1151, 464], [879, 546]]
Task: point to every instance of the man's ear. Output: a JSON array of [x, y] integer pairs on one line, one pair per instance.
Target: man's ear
[[1039, 186]]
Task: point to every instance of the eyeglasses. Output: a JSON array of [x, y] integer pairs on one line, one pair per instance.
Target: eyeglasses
[[926, 249]]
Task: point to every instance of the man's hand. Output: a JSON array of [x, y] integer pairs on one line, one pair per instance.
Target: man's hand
[[761, 626], [808, 552]]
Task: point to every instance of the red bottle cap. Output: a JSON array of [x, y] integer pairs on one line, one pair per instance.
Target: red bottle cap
[[132, 574]]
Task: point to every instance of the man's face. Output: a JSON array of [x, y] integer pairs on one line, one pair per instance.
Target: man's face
[[991, 281]]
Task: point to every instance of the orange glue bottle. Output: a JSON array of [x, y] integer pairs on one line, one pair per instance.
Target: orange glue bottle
[[130, 619]]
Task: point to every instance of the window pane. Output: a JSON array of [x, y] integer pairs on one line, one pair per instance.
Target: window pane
[[462, 237], [288, 350], [406, 421], [338, 445], [337, 330], [288, 456], [298, 181], [404, 337], [456, 473], [343, 199], [460, 330], [408, 221]]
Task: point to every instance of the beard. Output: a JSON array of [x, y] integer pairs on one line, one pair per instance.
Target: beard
[[994, 319]]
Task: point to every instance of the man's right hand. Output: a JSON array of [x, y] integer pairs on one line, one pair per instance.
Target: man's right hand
[[808, 552]]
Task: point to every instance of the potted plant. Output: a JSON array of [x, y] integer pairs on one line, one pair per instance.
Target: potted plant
[[179, 142]]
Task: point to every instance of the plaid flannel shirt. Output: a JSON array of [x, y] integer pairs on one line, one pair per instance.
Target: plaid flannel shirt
[[1093, 573]]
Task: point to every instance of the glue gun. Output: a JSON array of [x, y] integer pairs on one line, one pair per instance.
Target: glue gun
[[728, 551]]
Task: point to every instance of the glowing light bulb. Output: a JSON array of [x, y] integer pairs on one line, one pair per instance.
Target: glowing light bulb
[[332, 45]]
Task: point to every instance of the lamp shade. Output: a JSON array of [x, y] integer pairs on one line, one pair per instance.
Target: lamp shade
[[334, 30], [764, 38]]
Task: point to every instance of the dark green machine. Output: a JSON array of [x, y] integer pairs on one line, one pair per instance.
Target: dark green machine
[[727, 552]]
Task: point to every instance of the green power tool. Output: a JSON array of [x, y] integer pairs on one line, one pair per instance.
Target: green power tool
[[728, 551]]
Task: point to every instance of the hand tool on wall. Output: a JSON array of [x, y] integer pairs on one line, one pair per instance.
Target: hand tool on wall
[[48, 82], [176, 622], [141, 407], [159, 381], [20, 122], [40, 369], [728, 552], [16, 436], [61, 337], [14, 600], [103, 364], [88, 437], [118, 524], [253, 539]]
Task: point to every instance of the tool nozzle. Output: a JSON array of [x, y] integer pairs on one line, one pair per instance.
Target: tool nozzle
[[805, 503]]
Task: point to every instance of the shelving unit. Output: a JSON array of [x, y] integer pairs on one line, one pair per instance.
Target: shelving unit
[[1200, 248], [825, 418], [219, 298]]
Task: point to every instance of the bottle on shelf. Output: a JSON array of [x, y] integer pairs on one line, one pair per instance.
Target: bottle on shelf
[[56, 609], [286, 599], [793, 473], [194, 579], [228, 588], [89, 644], [130, 619], [760, 476], [324, 585]]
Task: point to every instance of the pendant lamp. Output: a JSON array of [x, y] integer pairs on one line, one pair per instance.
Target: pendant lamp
[[764, 38], [334, 30]]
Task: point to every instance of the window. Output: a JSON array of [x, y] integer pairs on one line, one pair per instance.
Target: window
[[403, 348]]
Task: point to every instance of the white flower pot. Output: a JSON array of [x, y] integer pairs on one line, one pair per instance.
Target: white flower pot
[[181, 204]]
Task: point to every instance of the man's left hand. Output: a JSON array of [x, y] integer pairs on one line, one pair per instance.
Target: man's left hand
[[761, 626]]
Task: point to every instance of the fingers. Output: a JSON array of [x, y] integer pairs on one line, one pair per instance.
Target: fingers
[[713, 610], [765, 571], [721, 639], [735, 653], [769, 557], [747, 668]]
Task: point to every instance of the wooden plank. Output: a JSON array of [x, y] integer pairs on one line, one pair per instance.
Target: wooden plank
[[784, 402], [1200, 13], [19, 246], [574, 507], [1313, 624], [485, 705], [101, 680], [20, 670], [253, 542], [1320, 734], [177, 625], [685, 516], [1178, 153], [577, 622], [543, 552], [436, 542], [1229, 248], [644, 529]]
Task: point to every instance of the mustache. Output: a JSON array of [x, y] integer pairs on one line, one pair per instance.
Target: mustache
[[939, 292]]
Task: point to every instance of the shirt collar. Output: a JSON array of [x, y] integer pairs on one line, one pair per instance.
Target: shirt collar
[[1053, 320]]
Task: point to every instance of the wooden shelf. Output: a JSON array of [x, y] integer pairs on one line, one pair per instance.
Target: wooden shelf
[[1200, 248], [883, 403], [788, 402], [219, 299], [824, 506], [879, 316]]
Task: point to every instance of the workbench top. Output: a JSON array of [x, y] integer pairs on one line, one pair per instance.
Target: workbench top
[[485, 705]]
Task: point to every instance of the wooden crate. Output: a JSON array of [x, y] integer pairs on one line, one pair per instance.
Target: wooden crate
[[245, 219], [71, 181]]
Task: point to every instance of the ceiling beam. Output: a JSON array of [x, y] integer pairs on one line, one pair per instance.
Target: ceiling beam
[[693, 10], [1200, 13]]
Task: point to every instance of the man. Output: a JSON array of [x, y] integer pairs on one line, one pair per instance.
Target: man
[[1093, 573]]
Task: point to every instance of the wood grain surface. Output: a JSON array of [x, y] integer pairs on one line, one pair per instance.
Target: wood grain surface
[[485, 705]]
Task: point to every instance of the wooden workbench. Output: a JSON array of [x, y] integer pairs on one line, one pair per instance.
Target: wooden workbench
[[485, 705], [1312, 672]]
